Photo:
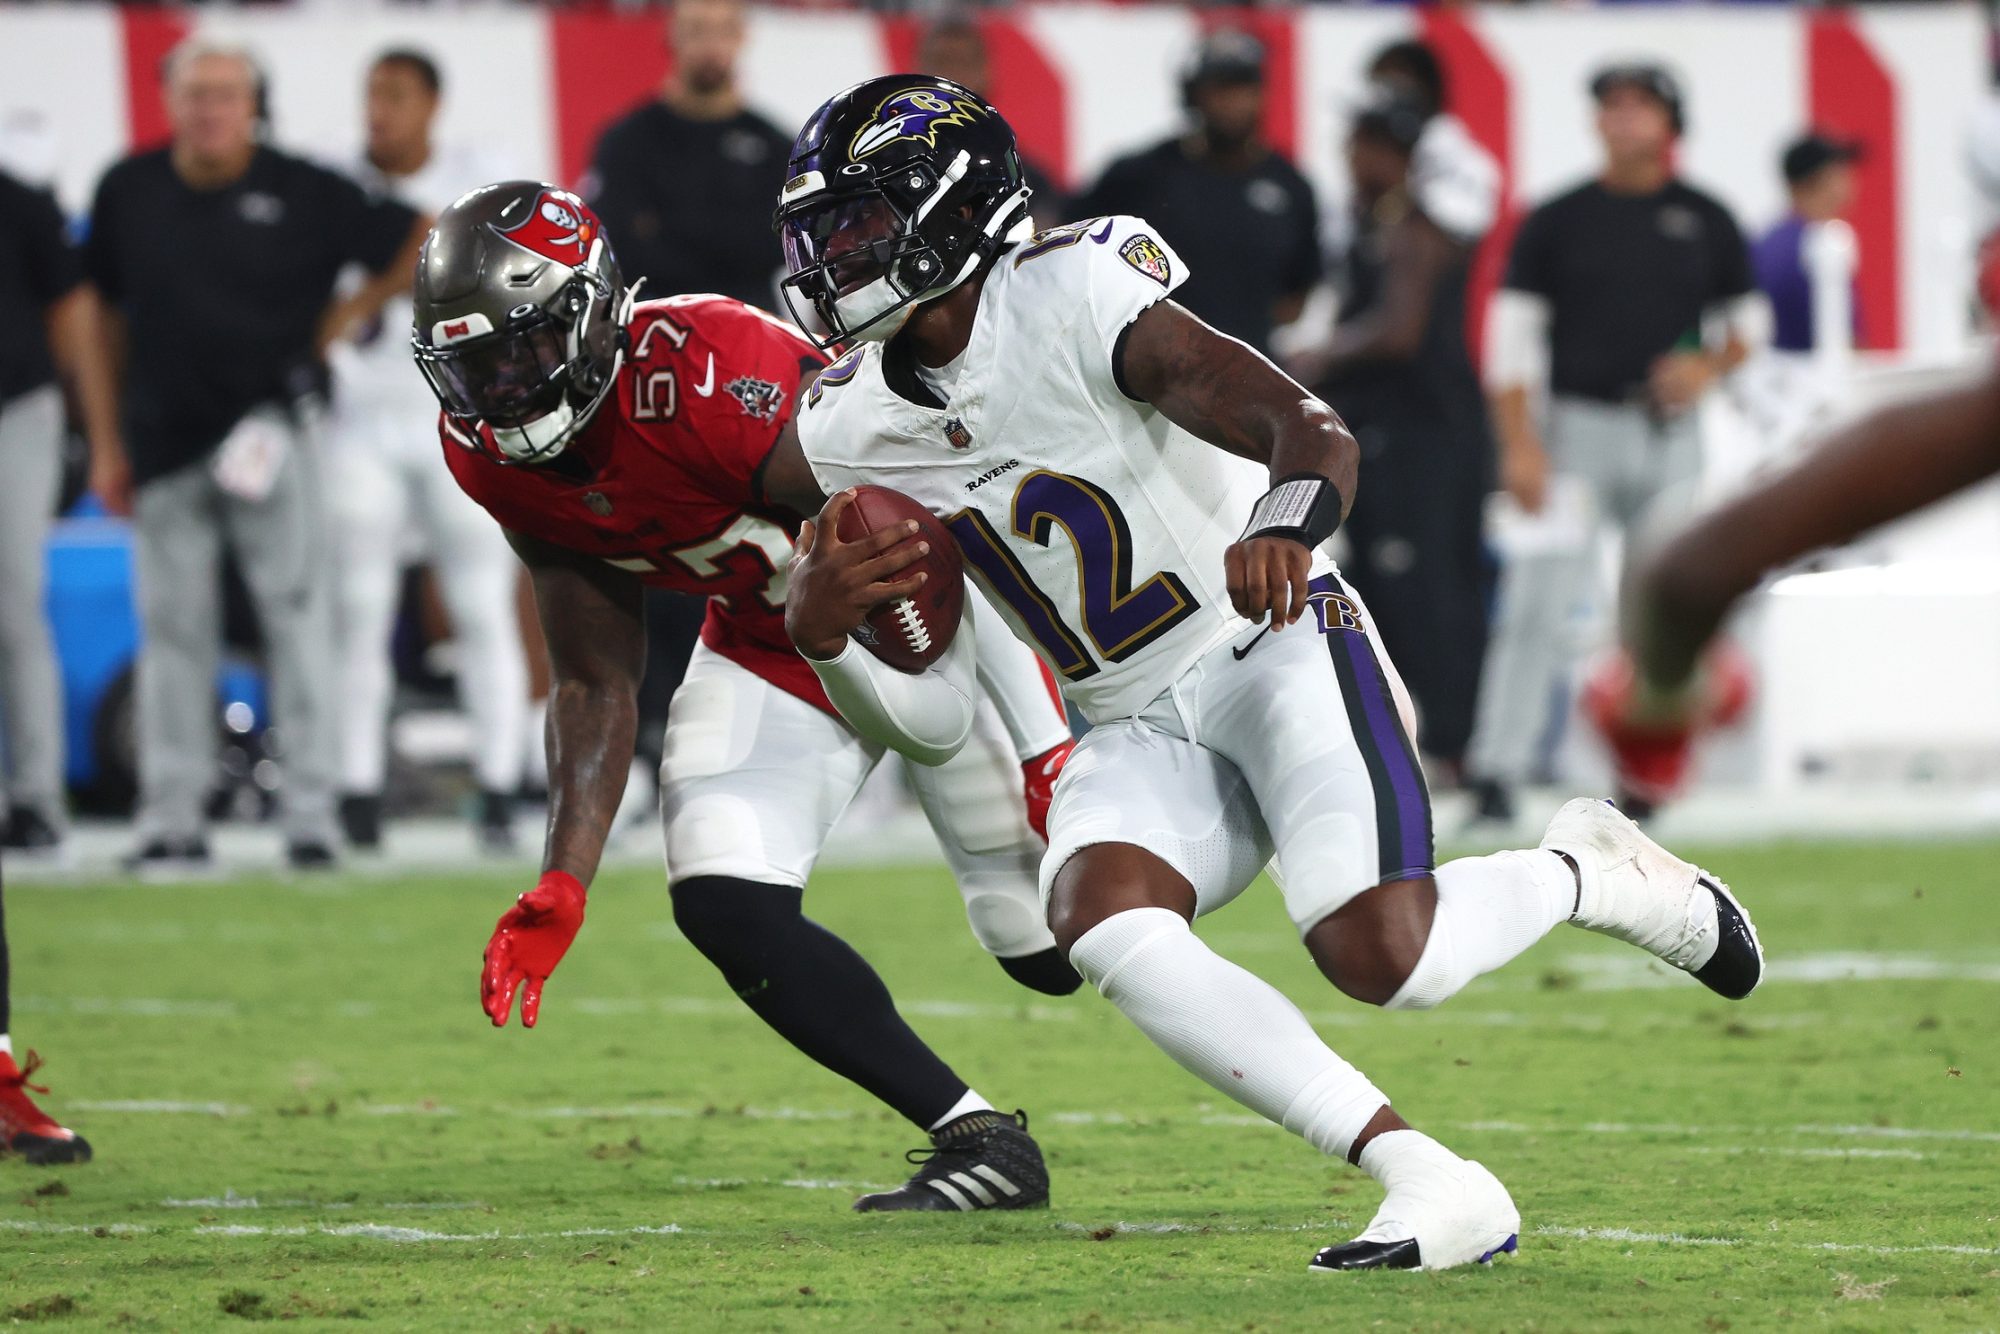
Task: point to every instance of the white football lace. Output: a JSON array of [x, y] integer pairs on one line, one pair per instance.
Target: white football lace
[[914, 630]]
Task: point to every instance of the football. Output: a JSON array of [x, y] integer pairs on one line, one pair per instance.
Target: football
[[910, 633]]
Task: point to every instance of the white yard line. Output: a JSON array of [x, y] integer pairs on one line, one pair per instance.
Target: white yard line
[[1620, 1236], [157, 1107], [1076, 1117]]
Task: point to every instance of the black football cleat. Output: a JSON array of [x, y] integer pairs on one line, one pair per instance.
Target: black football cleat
[[983, 1160]]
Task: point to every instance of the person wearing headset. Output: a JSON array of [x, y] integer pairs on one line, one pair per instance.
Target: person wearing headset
[[1231, 204], [218, 258]]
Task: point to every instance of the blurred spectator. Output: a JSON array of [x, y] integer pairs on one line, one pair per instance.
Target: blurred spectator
[[1454, 180], [1625, 297], [47, 321], [1398, 371], [1819, 181], [219, 257], [388, 485], [954, 48], [1240, 214], [686, 182]]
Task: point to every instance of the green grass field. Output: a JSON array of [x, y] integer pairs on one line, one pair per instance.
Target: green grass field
[[301, 1114]]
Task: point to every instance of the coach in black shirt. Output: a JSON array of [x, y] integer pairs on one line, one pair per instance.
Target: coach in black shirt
[[1242, 216], [685, 182], [218, 257], [1625, 299]]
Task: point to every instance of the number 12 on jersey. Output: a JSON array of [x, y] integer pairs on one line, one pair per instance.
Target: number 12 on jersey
[[1118, 619]]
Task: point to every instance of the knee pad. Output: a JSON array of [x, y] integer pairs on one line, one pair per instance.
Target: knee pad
[[1007, 918], [1045, 971], [735, 923]]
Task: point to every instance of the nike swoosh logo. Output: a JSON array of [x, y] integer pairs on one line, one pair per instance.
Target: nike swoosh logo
[[1244, 652], [1103, 233], [707, 386]]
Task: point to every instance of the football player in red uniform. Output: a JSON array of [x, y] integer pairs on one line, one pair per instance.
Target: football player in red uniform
[[622, 445]]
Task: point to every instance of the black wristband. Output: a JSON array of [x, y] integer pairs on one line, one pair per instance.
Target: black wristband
[[1304, 507]]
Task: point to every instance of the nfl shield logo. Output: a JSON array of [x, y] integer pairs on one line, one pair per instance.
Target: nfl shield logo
[[955, 433], [598, 503]]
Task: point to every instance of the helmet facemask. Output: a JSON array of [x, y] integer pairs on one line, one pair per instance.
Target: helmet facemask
[[866, 250]]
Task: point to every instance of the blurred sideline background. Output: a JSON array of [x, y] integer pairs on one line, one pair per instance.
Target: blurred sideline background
[[1836, 741]]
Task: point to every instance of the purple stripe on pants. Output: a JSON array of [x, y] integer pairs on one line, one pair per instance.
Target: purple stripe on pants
[[1371, 712]]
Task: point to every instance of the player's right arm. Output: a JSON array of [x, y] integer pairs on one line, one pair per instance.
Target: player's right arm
[[832, 586], [1890, 463], [591, 617], [1227, 393]]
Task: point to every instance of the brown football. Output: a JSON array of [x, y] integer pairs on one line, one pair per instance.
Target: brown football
[[910, 633]]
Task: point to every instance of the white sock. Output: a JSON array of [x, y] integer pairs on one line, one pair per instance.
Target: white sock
[[965, 1106], [1489, 910], [6, 1045], [1227, 1026], [1393, 1154]]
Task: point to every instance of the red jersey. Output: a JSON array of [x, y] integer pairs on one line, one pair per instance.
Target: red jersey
[[661, 481]]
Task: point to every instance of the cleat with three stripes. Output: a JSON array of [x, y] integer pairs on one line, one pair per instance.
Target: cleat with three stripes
[[983, 1160]]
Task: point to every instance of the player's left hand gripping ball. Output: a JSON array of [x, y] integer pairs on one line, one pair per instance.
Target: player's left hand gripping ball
[[1040, 774], [529, 942]]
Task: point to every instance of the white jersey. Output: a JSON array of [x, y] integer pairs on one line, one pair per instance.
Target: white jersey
[[377, 385], [1096, 525]]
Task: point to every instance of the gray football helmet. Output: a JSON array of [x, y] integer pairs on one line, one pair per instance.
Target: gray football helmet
[[520, 316]]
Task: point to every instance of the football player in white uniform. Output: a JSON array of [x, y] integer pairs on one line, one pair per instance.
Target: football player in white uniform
[[1145, 499], [387, 487]]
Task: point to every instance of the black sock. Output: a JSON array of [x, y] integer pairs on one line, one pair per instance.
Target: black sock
[[1047, 972], [811, 987]]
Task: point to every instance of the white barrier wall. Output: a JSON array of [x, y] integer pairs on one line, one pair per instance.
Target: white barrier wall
[[1085, 82]]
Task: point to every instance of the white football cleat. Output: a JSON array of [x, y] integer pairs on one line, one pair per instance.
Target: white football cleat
[[1441, 1211], [1632, 888]]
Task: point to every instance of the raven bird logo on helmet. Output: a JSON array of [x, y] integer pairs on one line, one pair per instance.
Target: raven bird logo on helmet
[[901, 188], [915, 114], [520, 317]]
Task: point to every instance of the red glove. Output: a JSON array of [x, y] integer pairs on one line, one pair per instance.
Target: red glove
[[529, 942], [1652, 743], [1040, 774]]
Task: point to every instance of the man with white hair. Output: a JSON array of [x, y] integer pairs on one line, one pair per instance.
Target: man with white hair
[[218, 257], [387, 486]]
